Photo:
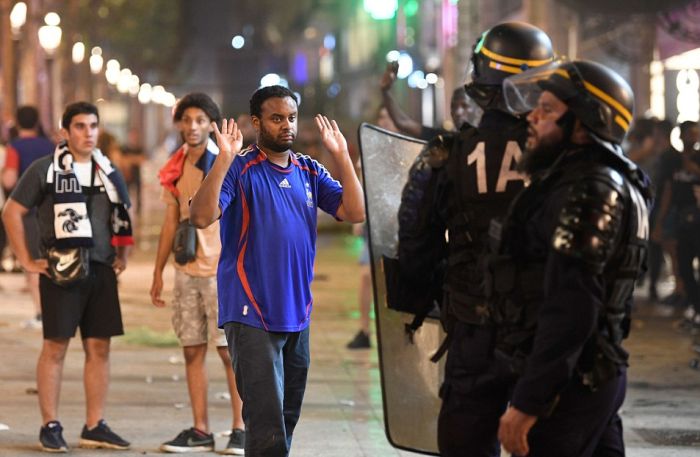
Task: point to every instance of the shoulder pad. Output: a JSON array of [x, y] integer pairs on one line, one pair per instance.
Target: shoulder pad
[[591, 216]]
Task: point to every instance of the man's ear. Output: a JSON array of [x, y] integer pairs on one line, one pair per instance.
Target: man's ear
[[580, 134], [256, 122], [64, 134]]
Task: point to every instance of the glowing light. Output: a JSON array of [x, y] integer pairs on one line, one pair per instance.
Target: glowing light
[[381, 9], [414, 78], [158, 94], [410, 8], [78, 52], [18, 16], [270, 79], [688, 100], [329, 42], [50, 38], [431, 78], [124, 81], [145, 93], [52, 19], [393, 55], [134, 86], [112, 72], [96, 62], [238, 42], [300, 72], [405, 65], [657, 84]]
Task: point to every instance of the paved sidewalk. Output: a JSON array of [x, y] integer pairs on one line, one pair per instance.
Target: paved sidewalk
[[342, 413]]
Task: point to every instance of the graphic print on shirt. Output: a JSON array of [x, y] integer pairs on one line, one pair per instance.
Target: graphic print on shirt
[[309, 196], [285, 184]]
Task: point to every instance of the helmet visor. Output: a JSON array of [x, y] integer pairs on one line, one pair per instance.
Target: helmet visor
[[522, 91]]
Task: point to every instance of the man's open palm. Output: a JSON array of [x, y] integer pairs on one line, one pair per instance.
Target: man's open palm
[[229, 139], [331, 136]]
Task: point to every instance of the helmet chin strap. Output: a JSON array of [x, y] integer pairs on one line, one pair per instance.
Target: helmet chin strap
[[567, 122]]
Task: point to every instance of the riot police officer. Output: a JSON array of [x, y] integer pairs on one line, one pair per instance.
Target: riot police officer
[[457, 184], [568, 254]]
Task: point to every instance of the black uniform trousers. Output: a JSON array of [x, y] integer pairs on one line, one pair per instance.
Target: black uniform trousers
[[474, 395]]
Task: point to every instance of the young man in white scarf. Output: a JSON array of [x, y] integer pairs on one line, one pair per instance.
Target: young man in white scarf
[[81, 203]]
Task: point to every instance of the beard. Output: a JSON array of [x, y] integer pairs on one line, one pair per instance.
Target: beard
[[541, 156], [268, 142]]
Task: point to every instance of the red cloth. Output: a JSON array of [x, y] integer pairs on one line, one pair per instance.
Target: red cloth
[[172, 170], [118, 241], [11, 158]]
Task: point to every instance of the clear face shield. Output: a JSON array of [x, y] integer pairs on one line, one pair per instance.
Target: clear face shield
[[522, 91]]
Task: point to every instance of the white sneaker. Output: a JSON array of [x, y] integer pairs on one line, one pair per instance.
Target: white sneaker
[[31, 324]]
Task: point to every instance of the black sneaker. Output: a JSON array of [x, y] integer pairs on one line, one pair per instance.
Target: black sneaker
[[361, 341], [102, 437], [190, 440], [51, 438], [236, 443]]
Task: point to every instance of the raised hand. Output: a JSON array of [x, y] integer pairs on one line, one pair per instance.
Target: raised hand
[[331, 136], [389, 76], [229, 139]]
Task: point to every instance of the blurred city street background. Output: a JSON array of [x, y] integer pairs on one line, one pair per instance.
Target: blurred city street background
[[134, 59]]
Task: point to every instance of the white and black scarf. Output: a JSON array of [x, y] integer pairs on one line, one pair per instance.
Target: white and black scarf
[[71, 222]]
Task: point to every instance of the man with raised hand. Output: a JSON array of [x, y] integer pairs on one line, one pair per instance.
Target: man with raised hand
[[266, 198]]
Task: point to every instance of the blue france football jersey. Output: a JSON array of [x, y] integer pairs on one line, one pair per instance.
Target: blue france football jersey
[[268, 237]]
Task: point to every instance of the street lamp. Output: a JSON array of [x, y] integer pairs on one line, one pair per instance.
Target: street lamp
[[50, 33], [50, 39], [78, 53], [96, 60], [112, 72], [18, 16], [11, 53]]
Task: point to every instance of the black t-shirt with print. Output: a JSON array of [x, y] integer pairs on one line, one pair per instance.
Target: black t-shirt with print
[[33, 191]]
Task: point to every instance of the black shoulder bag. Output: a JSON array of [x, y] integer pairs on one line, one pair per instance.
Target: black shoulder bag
[[185, 242]]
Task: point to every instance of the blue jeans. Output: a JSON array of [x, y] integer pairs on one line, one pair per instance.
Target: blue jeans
[[271, 370]]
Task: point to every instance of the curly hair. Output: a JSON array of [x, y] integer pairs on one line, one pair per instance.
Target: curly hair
[[197, 100]]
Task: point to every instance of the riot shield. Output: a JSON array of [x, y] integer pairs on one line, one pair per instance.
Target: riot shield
[[409, 380]]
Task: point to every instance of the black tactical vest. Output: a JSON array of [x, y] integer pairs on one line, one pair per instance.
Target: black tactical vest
[[481, 181], [603, 224]]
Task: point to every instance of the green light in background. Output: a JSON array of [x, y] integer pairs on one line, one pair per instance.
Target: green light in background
[[454, 2], [381, 9], [410, 8]]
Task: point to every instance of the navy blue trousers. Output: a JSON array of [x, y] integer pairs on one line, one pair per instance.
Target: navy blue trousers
[[476, 393], [583, 424], [271, 370]]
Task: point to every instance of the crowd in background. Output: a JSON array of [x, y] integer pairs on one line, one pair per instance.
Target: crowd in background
[[674, 245]]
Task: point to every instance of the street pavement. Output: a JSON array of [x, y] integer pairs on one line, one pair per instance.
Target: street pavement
[[342, 413]]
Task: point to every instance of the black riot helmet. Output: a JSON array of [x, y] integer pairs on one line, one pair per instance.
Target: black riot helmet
[[505, 49], [596, 95]]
